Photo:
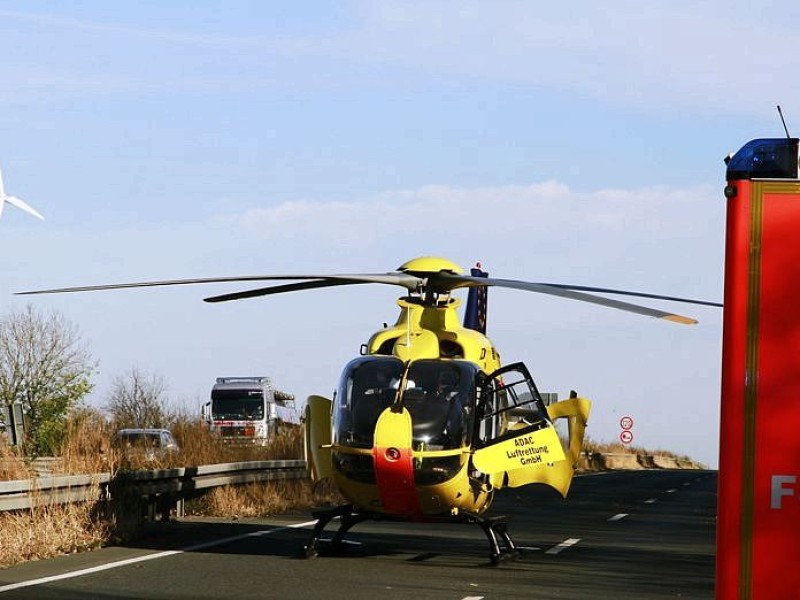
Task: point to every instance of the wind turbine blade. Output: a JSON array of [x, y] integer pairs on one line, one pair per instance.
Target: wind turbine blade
[[456, 281], [21, 204], [24, 206]]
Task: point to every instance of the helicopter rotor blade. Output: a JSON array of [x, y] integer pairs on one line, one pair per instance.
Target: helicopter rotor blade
[[584, 288], [280, 289], [405, 280], [443, 281], [456, 281]]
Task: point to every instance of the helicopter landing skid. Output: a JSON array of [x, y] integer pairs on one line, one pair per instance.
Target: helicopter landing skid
[[495, 529], [348, 517]]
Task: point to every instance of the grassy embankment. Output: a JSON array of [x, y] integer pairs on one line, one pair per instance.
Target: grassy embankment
[[604, 456]]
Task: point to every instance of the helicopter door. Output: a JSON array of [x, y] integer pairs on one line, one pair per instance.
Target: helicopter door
[[517, 442], [509, 401], [318, 437]]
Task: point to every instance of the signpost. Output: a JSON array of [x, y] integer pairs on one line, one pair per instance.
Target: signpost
[[626, 436]]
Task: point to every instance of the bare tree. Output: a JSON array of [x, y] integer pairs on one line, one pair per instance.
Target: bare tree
[[137, 400], [46, 367]]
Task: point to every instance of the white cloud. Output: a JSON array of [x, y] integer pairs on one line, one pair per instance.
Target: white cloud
[[546, 229]]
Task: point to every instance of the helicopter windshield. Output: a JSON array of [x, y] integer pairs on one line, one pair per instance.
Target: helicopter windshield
[[437, 394], [368, 386]]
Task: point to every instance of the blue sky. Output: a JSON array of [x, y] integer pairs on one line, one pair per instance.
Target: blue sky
[[578, 143]]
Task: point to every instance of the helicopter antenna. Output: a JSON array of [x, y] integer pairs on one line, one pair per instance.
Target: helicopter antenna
[[780, 112]]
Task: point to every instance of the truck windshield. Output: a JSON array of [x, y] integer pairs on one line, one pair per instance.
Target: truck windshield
[[241, 405]]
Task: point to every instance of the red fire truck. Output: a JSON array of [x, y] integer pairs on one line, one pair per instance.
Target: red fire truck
[[758, 527]]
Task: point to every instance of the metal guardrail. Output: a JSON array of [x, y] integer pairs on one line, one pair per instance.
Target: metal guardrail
[[28, 493], [176, 483], [189, 479]]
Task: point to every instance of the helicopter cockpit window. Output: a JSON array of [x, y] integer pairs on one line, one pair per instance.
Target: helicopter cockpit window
[[440, 396], [509, 400], [368, 386]]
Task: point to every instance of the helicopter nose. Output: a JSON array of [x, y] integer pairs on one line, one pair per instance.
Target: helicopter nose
[[394, 464]]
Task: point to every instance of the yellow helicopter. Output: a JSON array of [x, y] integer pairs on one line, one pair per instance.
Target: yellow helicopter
[[426, 424]]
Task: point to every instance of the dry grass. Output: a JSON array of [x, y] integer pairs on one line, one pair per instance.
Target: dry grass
[[59, 529], [263, 499], [199, 446], [12, 466], [604, 456], [49, 531], [88, 448], [615, 447]]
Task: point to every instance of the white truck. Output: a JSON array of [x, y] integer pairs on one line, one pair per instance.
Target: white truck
[[249, 410]]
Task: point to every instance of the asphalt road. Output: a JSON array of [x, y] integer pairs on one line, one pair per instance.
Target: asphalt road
[[621, 535]]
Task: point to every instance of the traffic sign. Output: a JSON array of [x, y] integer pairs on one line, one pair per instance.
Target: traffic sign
[[626, 423], [626, 437]]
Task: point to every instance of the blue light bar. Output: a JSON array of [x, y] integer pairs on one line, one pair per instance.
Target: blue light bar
[[765, 158]]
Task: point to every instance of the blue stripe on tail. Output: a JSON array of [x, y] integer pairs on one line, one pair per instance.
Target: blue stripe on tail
[[477, 299]]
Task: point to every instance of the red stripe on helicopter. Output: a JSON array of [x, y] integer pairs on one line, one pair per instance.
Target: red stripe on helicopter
[[394, 475]]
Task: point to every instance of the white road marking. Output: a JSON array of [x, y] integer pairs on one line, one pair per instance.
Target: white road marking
[[672, 491], [563, 545], [472, 598], [651, 501], [138, 559], [618, 517]]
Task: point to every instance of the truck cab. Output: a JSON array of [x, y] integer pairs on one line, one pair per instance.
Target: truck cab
[[248, 409]]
